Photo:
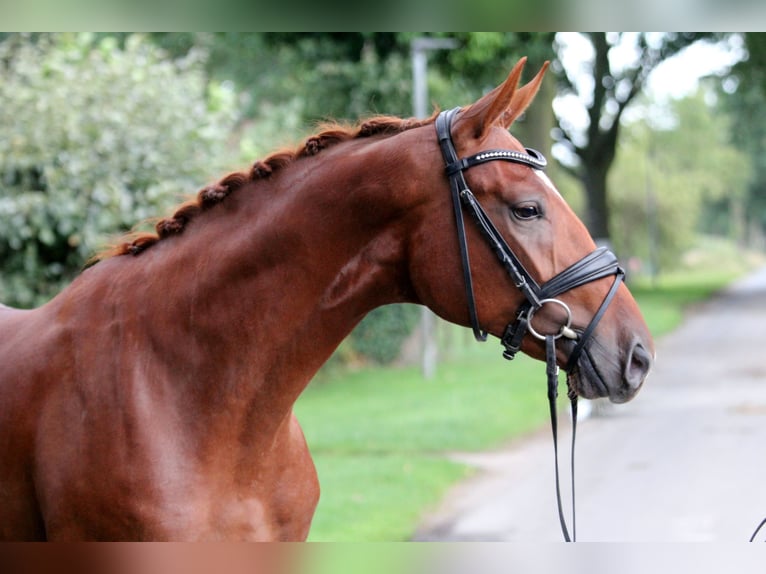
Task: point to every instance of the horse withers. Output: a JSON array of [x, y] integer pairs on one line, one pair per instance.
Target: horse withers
[[152, 398]]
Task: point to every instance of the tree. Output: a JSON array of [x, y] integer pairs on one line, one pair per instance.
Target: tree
[[353, 74], [611, 89], [672, 174], [754, 67], [745, 103], [93, 139]]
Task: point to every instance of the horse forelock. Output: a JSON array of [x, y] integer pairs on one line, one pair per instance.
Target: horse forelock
[[330, 134]]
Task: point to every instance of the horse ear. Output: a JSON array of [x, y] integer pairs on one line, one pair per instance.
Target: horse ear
[[523, 97], [504, 104]]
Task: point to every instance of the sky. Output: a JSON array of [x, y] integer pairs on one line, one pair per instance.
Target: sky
[[679, 76]]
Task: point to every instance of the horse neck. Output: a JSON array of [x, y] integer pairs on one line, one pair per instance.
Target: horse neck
[[263, 291]]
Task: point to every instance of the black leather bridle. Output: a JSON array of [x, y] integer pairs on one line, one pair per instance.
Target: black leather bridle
[[596, 265]]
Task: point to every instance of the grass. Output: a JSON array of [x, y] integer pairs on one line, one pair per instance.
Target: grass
[[711, 265], [379, 436]]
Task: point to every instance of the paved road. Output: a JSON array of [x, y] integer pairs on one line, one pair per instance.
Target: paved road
[[684, 461]]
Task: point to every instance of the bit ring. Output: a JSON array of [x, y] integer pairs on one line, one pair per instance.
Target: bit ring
[[565, 331]]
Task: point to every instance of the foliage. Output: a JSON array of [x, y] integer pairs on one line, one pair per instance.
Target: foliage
[[753, 69], [332, 75], [484, 59], [381, 333], [308, 78], [95, 137], [368, 80], [609, 90], [663, 178], [745, 104], [344, 76]]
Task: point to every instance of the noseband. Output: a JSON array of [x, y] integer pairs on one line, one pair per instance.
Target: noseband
[[596, 265]]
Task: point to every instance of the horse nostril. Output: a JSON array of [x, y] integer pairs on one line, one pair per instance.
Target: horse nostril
[[638, 365]]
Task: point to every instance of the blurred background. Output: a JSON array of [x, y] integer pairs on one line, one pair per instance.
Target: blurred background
[[656, 140]]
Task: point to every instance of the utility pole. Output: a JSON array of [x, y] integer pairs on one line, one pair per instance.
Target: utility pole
[[419, 50]]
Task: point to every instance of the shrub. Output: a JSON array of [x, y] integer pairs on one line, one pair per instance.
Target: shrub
[[380, 335], [94, 137]]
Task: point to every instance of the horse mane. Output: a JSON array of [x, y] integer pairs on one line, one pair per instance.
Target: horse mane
[[329, 135]]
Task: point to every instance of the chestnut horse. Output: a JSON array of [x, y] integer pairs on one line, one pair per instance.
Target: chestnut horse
[[152, 398]]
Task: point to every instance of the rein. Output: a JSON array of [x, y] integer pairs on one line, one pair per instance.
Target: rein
[[596, 265], [761, 525]]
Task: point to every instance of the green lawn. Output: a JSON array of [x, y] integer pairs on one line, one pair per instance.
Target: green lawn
[[379, 435]]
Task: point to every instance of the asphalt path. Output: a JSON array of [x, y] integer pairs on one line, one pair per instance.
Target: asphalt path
[[685, 461]]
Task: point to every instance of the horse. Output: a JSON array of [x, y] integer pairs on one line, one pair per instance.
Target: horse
[[152, 398]]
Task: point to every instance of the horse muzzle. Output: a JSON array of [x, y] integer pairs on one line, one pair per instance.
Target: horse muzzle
[[595, 375]]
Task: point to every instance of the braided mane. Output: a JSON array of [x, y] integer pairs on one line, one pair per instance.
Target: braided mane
[[330, 134]]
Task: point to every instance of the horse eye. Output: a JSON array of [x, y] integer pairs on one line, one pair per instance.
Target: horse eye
[[526, 211]]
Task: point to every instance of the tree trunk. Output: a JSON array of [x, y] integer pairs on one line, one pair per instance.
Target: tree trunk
[[612, 91], [593, 179]]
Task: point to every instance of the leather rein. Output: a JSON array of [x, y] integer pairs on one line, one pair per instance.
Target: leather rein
[[596, 265]]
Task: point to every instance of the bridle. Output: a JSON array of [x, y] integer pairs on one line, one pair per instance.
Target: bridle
[[596, 265]]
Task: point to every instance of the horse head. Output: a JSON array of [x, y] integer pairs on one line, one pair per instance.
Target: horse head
[[528, 267]]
